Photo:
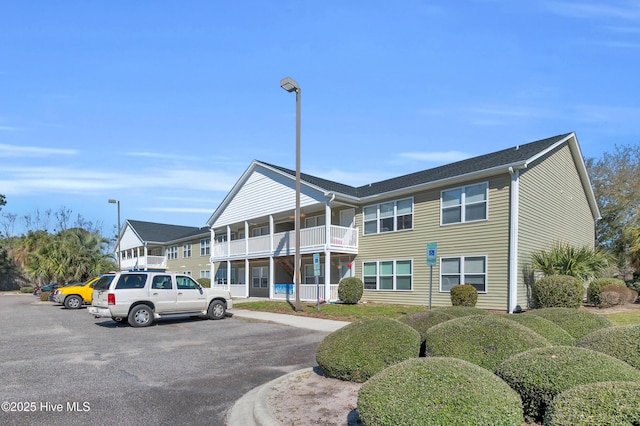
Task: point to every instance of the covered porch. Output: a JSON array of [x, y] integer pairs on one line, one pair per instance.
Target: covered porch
[[273, 277]]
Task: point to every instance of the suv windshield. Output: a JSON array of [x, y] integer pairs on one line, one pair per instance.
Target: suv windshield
[[103, 282]]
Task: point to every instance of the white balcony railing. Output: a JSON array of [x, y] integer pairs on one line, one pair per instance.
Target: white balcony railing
[[144, 262], [314, 239]]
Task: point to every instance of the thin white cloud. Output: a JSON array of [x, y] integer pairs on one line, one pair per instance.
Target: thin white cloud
[[436, 157], [180, 209], [52, 179], [9, 128], [620, 44], [32, 151], [628, 10], [163, 156]]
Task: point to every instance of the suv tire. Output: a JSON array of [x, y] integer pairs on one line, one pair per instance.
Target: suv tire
[[73, 302], [140, 316], [216, 310]]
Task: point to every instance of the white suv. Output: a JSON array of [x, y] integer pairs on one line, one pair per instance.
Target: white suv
[[142, 296]]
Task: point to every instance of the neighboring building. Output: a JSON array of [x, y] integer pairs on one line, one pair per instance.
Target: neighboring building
[[487, 215], [148, 245]]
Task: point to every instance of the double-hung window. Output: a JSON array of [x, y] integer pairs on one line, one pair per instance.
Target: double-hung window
[[205, 247], [463, 270], [312, 222], [464, 204], [388, 217], [309, 275], [172, 252], [260, 277], [387, 275], [186, 250]]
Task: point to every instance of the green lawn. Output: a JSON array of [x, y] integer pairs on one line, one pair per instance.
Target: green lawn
[[331, 310], [373, 310], [625, 318]]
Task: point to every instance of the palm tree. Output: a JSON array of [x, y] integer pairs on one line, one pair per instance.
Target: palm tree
[[563, 259]]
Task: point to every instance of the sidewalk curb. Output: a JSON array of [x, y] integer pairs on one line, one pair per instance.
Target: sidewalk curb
[[252, 409]]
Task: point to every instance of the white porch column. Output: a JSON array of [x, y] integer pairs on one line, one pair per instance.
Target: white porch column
[[327, 275], [327, 251], [212, 266], [272, 276], [272, 227], [247, 276], [246, 237], [146, 257], [229, 275]]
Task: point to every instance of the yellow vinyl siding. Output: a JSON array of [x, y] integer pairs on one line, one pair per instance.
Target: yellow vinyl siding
[[553, 207], [485, 238], [193, 264]]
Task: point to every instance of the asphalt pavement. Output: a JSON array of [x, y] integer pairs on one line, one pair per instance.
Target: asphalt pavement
[[65, 367], [252, 408]]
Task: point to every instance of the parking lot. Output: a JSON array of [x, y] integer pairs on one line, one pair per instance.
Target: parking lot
[[64, 367]]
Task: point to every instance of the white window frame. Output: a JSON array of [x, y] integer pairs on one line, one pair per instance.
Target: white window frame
[[309, 276], [259, 231], [205, 248], [172, 252], [262, 276], [394, 275], [463, 205], [462, 274], [186, 250], [205, 273], [314, 221], [379, 216]]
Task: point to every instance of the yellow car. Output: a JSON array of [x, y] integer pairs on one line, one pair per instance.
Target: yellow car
[[74, 296]]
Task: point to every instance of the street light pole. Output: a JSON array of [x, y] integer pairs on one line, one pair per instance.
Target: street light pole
[[290, 85], [112, 201]]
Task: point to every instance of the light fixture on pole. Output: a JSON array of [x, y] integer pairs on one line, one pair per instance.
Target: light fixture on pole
[[112, 201], [290, 85]]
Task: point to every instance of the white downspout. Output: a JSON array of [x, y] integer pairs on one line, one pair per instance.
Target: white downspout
[[513, 239]]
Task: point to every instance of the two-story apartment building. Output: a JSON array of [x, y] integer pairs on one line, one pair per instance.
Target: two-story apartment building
[[486, 214], [149, 245]]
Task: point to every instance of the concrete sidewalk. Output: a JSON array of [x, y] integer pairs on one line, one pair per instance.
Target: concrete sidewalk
[[252, 408], [316, 324]]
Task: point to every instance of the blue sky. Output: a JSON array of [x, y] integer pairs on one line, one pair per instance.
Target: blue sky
[[163, 105]]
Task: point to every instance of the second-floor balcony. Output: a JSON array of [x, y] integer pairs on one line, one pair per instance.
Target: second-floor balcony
[[312, 240], [143, 262]]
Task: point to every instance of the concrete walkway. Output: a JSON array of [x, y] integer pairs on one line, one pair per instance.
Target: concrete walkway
[[252, 408]]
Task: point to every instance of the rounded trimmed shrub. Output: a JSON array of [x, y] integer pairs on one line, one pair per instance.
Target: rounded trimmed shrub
[[26, 289], [577, 322], [438, 391], [461, 311], [595, 287], [350, 290], [555, 334], [422, 321], [361, 349], [540, 374], [484, 340], [603, 403], [622, 342], [464, 295], [612, 295], [557, 291]]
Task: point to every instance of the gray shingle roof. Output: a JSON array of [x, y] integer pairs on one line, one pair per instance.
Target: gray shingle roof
[[483, 162], [162, 232]]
